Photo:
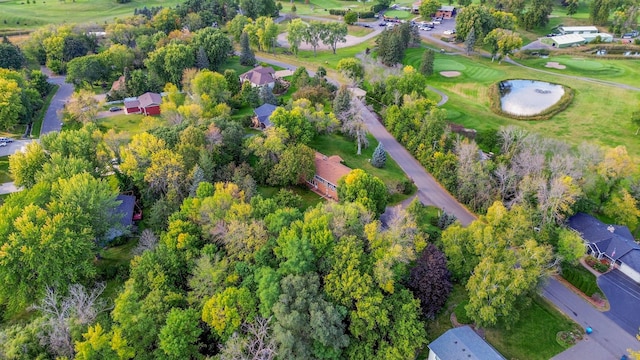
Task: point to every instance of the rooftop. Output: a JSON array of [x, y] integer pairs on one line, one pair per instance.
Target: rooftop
[[568, 39], [259, 76], [263, 112], [462, 343], [149, 99], [447, 8], [578, 28], [330, 168]]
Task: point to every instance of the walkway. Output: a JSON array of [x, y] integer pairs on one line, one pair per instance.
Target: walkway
[[608, 340]]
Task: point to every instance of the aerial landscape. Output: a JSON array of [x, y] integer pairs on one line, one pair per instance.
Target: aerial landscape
[[320, 179]]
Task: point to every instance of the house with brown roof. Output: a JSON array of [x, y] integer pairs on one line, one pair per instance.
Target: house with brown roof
[[328, 171], [260, 76], [147, 104]]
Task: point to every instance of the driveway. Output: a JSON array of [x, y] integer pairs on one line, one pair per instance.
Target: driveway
[[15, 146], [608, 340], [51, 120], [624, 298]]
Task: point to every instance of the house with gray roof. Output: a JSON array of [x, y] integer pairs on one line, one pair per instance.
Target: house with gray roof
[[462, 343], [262, 116], [260, 76], [613, 242]]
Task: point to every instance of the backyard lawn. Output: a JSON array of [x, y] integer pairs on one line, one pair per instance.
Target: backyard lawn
[[534, 335], [599, 113], [131, 124], [309, 198]]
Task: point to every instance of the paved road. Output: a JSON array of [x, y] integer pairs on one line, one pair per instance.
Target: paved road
[[608, 340], [12, 147], [8, 188], [624, 297], [51, 120], [429, 191]]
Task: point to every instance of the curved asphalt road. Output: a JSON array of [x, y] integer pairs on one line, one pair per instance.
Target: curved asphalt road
[[51, 120]]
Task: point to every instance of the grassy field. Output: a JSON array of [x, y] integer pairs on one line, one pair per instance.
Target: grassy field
[[4, 170], [358, 31], [309, 198], [18, 15], [400, 14], [599, 113], [533, 337], [131, 124], [111, 260], [346, 149]]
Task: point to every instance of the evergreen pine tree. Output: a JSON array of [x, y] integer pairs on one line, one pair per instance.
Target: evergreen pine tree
[[470, 41], [202, 60], [379, 158], [426, 66], [267, 97], [247, 58], [198, 177]]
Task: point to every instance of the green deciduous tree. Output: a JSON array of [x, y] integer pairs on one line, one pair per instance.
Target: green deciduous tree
[[502, 43], [11, 57], [365, 189], [333, 33], [226, 311], [428, 8], [307, 326], [235, 27], [24, 166], [313, 35], [299, 129], [295, 34], [570, 246], [216, 45], [352, 68], [179, 336], [11, 107], [350, 17]]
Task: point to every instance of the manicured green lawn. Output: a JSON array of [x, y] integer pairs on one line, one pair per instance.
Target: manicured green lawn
[[234, 64], [339, 145], [599, 113], [17, 14], [534, 335], [112, 264], [132, 124], [400, 14], [4, 170], [309, 198], [358, 31]]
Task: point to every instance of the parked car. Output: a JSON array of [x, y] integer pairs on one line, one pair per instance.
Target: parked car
[[115, 108], [437, 22], [630, 35], [3, 144], [449, 32], [6, 140], [382, 24]]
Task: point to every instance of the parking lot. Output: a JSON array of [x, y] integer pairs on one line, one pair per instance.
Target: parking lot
[[13, 147]]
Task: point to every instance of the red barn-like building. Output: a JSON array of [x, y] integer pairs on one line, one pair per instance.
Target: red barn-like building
[[147, 103]]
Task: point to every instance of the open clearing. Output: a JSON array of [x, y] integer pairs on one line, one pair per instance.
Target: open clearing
[[17, 15], [599, 113]]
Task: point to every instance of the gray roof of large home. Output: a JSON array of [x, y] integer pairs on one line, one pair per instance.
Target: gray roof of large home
[[462, 343], [126, 207], [616, 241], [259, 75], [264, 112]]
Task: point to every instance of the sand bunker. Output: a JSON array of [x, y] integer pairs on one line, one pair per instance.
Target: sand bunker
[[450, 73], [555, 65]]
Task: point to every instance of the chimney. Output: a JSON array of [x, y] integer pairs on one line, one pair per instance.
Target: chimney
[[611, 228]]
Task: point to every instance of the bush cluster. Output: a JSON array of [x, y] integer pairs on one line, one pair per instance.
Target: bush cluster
[[361, 15], [584, 281]]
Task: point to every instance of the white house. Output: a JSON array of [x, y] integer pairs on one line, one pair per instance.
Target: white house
[[565, 30], [613, 242], [462, 343]]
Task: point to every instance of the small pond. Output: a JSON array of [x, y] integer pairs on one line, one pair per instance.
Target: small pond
[[528, 97]]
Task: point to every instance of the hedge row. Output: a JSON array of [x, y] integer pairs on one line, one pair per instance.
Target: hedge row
[[581, 279], [362, 15]]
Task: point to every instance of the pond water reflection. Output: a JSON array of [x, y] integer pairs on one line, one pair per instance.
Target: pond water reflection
[[528, 97]]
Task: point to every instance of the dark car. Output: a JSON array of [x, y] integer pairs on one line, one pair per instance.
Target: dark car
[[382, 24], [115, 108]]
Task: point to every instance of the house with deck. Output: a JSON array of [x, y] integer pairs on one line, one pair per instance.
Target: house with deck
[[260, 76]]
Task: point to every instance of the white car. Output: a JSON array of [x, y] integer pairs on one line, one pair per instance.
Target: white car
[[449, 32], [426, 28], [3, 144], [436, 22]]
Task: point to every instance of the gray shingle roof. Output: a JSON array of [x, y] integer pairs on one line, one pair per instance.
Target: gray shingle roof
[[264, 113], [616, 241], [462, 343]]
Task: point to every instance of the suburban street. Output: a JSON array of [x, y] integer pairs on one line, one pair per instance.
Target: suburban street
[[624, 297], [51, 121], [608, 340]]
